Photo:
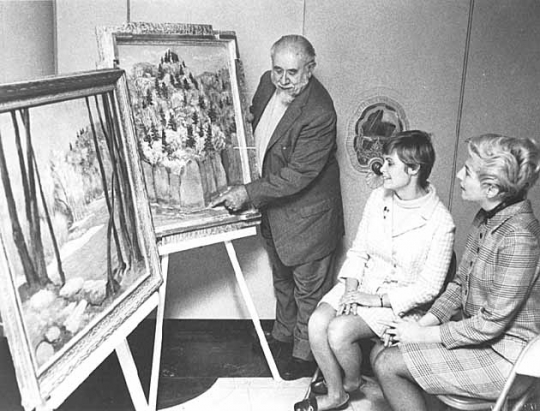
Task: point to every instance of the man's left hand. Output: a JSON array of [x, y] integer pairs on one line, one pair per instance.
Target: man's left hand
[[234, 199]]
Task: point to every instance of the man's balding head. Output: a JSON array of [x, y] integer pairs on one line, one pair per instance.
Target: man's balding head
[[297, 44], [293, 60]]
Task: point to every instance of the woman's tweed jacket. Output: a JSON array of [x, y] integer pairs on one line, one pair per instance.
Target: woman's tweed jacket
[[496, 286]]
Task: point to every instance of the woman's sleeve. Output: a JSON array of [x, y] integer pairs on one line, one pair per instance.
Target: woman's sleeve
[[357, 255], [516, 271], [449, 302], [430, 279]]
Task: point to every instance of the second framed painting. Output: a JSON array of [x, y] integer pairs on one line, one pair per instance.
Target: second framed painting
[[187, 92], [78, 258]]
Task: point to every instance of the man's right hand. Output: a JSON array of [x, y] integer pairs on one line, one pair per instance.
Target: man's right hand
[[234, 198]]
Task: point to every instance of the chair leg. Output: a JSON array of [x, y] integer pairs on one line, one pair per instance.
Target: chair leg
[[518, 405], [502, 401], [527, 395]]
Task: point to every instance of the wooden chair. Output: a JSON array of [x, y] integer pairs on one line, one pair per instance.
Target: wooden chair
[[528, 363]]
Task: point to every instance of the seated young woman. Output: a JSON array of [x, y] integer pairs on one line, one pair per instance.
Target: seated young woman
[[496, 290], [397, 264]]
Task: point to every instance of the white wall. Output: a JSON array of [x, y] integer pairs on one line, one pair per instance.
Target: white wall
[[201, 283], [76, 22], [412, 50], [27, 43], [503, 85], [26, 40]]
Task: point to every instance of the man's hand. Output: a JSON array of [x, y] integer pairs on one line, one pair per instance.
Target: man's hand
[[235, 198]]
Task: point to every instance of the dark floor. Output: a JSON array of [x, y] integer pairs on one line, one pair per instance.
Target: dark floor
[[195, 353]]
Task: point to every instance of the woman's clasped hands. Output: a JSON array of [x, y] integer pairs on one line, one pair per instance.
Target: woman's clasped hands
[[354, 298], [401, 331]]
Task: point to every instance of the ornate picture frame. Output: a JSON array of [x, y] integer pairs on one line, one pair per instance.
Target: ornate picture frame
[[79, 265], [187, 91]]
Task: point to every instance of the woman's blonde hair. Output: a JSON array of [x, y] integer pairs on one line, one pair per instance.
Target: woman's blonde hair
[[509, 163]]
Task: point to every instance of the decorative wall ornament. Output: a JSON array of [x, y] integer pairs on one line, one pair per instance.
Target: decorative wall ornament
[[376, 119]]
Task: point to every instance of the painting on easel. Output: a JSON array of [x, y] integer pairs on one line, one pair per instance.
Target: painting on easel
[[186, 87], [78, 254]]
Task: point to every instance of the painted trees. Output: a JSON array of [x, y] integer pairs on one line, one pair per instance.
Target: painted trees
[[193, 116]]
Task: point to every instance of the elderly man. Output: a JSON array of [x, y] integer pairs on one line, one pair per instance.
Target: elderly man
[[298, 193]]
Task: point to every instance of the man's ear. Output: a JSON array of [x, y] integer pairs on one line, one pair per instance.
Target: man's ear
[[310, 67], [492, 191]]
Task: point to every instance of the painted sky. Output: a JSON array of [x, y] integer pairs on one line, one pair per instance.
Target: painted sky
[[198, 57]]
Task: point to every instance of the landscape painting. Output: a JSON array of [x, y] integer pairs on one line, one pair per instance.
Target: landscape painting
[[78, 249], [185, 84]]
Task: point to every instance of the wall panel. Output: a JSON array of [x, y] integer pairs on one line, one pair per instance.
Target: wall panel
[[76, 22], [503, 85], [411, 51], [26, 40]]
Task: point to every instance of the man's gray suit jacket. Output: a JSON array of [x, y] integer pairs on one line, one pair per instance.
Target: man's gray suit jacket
[[299, 190]]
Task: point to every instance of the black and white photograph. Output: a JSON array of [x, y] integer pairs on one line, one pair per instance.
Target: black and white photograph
[[270, 205]]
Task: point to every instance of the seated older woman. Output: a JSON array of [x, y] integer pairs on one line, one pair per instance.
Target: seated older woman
[[396, 265], [496, 289]]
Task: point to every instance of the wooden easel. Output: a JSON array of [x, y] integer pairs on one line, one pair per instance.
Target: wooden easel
[[165, 248], [119, 344]]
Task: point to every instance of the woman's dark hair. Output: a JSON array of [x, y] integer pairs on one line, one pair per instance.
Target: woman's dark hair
[[415, 150]]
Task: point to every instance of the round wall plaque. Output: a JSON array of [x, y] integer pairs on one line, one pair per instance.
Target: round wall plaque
[[375, 120]]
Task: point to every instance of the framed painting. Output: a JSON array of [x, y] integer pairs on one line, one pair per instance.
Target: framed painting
[[187, 91], [78, 257]]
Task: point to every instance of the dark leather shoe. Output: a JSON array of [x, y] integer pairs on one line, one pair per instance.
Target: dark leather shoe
[[298, 368], [310, 404], [319, 387], [277, 348]]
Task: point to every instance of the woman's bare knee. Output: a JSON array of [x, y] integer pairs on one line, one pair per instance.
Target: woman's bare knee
[[341, 332], [375, 351], [319, 320], [389, 362]]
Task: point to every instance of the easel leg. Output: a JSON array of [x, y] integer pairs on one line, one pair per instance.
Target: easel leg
[[42, 407], [131, 376], [252, 311], [158, 339]]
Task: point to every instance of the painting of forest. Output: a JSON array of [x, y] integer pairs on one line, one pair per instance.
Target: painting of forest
[[187, 92], [185, 120], [68, 218]]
